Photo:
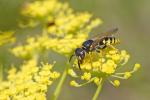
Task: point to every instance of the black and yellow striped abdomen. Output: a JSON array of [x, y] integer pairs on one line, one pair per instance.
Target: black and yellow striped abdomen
[[107, 40], [110, 40]]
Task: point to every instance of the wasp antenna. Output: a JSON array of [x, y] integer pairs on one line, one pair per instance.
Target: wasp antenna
[[79, 65], [71, 57], [116, 29]]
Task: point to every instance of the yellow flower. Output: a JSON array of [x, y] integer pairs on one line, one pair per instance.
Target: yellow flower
[[97, 80], [6, 37], [116, 83], [72, 73], [86, 76], [29, 82], [40, 96], [97, 67], [109, 67], [116, 57], [63, 30], [127, 75], [136, 67], [54, 75], [74, 83], [67, 31]]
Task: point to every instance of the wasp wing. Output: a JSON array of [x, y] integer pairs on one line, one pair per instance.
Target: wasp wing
[[98, 37], [107, 33]]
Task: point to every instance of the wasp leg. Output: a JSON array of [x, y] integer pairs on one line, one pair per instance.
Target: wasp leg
[[79, 65], [112, 47], [101, 46], [91, 60], [97, 50], [101, 57], [71, 57]]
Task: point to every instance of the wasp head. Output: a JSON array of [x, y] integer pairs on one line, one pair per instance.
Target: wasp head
[[80, 54]]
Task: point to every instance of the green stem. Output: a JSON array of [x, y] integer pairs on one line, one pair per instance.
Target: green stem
[[97, 92], [59, 86], [1, 72]]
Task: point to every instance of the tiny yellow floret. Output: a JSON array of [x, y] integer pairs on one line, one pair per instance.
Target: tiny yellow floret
[[86, 76], [127, 75], [116, 83], [96, 80], [136, 67], [74, 83], [72, 73]]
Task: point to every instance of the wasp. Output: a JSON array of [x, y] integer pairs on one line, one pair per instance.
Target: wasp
[[96, 43]]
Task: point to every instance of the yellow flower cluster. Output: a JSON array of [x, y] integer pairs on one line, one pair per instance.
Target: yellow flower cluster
[[44, 8], [100, 66], [6, 37], [35, 46], [29, 83], [58, 18], [63, 29]]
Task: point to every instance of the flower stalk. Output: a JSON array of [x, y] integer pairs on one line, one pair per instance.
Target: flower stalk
[[1, 72], [60, 84], [99, 88]]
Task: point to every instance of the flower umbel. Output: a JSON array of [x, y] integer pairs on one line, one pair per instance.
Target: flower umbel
[[30, 82], [102, 66], [6, 37], [62, 30]]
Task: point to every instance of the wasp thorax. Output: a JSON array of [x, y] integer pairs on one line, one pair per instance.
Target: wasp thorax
[[86, 45]]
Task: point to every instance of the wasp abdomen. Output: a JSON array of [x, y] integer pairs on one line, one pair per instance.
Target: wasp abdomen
[[110, 40], [114, 40], [105, 41]]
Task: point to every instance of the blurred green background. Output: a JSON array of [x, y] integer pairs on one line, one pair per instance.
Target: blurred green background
[[132, 17]]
